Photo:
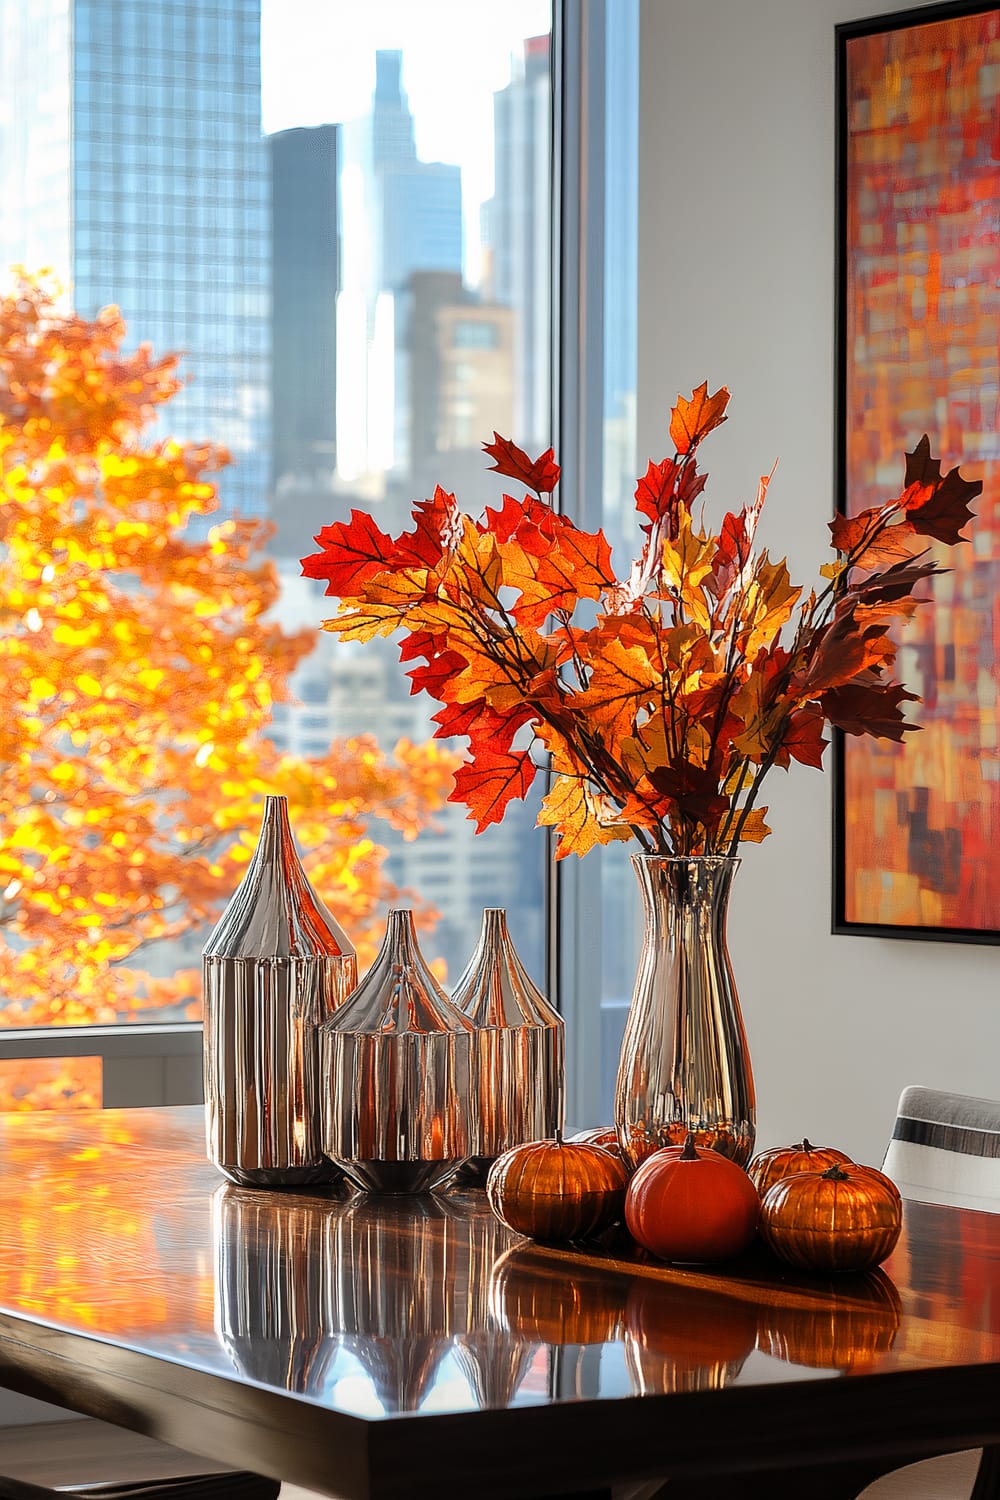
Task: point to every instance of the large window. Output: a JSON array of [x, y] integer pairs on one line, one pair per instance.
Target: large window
[[341, 216]]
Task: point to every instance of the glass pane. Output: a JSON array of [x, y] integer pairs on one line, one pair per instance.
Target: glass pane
[[339, 215]]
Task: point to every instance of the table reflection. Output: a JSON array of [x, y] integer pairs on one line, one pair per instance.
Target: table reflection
[[307, 1287]]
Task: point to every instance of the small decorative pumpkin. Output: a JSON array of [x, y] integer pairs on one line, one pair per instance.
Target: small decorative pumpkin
[[832, 1323], [691, 1204], [537, 1297], [557, 1190], [769, 1167], [602, 1135], [843, 1219]]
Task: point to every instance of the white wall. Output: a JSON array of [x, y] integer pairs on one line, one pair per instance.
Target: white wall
[[736, 285]]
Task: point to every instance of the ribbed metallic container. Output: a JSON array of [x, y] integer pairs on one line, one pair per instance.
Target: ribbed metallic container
[[276, 966], [519, 1045], [398, 1065]]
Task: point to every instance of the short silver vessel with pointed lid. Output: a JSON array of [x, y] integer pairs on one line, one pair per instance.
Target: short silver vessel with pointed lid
[[519, 1048], [398, 1068], [275, 967]]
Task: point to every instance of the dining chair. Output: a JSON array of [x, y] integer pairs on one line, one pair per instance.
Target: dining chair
[[234, 1485], [945, 1148]]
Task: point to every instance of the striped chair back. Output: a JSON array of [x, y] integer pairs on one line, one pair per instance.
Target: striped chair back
[[945, 1148]]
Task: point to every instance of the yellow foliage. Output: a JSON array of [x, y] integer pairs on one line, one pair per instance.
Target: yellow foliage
[[138, 667]]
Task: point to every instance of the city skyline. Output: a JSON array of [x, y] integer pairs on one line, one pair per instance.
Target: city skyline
[[318, 68]]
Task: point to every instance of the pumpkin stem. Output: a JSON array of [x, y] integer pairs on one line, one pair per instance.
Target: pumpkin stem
[[836, 1173], [805, 1143], [559, 1139], [689, 1153]]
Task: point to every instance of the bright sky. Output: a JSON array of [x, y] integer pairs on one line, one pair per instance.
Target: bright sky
[[318, 67]]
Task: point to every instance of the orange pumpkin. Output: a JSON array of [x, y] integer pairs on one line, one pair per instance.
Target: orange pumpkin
[[768, 1167], [602, 1135], [691, 1204], [557, 1190], [843, 1219]]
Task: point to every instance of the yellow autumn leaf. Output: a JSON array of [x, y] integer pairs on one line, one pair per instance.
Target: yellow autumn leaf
[[581, 818]]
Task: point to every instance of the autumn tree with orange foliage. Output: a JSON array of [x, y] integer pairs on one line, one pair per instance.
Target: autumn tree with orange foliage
[[138, 667]]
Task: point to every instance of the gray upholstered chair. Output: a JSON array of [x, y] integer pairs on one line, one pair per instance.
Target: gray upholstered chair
[[945, 1148]]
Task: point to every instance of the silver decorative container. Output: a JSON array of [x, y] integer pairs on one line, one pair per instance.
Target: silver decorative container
[[275, 967], [398, 1063], [519, 1044]]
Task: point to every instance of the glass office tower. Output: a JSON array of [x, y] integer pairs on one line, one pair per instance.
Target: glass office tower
[[135, 168]]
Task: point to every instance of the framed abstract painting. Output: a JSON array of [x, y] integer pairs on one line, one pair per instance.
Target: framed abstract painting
[[917, 824]]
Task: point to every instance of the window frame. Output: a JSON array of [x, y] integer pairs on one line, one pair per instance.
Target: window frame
[[160, 1063]]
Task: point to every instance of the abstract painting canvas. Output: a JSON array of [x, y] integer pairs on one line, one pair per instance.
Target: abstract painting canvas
[[917, 825]]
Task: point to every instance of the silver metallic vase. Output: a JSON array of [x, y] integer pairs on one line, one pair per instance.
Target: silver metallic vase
[[520, 1048], [684, 1063], [398, 1061], [275, 967]]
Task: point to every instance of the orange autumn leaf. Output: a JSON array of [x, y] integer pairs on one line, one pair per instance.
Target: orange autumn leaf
[[691, 420], [580, 817]]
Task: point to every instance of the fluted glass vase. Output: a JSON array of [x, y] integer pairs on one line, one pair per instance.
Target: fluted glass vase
[[684, 1064]]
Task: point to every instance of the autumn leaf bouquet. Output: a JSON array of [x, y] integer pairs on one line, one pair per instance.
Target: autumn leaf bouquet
[[658, 700]]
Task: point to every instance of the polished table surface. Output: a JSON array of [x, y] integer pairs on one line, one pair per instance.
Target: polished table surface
[[412, 1347]]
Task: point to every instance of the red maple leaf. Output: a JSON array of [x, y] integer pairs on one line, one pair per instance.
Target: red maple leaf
[[657, 489], [937, 507], [803, 738], [487, 785], [434, 676], [485, 727], [693, 789], [353, 551], [539, 474], [530, 522], [436, 529], [869, 706], [896, 582]]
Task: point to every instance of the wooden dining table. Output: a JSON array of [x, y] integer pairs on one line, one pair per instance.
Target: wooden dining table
[[396, 1348]]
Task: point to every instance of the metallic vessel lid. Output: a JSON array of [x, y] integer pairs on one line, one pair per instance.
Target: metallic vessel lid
[[495, 989], [274, 912], [399, 994]]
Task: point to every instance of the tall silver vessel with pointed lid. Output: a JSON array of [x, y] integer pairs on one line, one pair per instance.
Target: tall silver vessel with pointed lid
[[519, 1046], [398, 1068], [276, 966]]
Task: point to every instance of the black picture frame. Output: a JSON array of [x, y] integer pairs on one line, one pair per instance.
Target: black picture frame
[[848, 917]]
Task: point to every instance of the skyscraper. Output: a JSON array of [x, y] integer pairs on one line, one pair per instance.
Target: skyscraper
[[135, 168], [516, 233], [398, 215], [304, 304]]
